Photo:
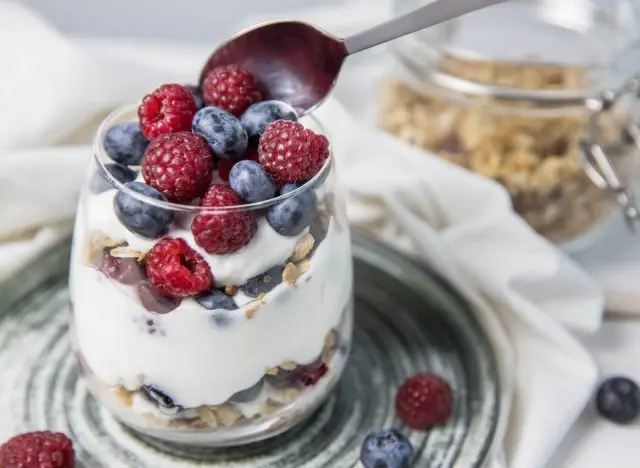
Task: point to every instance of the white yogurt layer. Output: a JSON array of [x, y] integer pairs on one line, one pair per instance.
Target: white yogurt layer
[[266, 249], [192, 358]]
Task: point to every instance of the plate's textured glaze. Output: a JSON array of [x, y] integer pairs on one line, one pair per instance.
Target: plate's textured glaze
[[406, 320]]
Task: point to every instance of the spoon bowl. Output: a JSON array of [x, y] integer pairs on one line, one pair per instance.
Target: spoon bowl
[[299, 63], [295, 62]]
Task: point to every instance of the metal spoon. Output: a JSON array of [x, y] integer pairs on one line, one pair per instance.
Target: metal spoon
[[299, 64]]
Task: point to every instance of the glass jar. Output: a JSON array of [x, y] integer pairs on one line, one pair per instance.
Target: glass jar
[[538, 95], [243, 361]]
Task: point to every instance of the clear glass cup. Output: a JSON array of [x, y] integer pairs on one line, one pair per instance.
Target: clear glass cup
[[178, 371], [513, 91]]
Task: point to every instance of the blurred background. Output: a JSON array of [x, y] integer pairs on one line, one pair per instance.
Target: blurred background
[[169, 19]]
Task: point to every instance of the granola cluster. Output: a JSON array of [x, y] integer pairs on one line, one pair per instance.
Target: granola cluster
[[536, 158]]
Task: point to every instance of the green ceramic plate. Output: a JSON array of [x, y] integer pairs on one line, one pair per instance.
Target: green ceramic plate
[[407, 319]]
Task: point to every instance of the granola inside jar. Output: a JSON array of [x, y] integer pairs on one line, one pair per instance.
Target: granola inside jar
[[513, 92]]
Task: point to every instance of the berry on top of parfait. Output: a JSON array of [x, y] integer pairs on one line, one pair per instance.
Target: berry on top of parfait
[[219, 145]]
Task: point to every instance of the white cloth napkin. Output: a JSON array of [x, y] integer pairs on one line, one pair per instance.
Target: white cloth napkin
[[528, 297]]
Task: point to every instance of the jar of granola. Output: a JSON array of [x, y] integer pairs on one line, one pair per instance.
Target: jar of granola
[[538, 95]]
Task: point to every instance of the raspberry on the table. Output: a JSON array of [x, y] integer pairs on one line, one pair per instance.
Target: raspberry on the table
[[36, 450], [178, 165], [423, 401], [176, 270], [223, 232], [231, 88], [168, 109], [290, 152]]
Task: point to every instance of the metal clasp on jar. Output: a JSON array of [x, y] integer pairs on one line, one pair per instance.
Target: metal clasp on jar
[[595, 159]]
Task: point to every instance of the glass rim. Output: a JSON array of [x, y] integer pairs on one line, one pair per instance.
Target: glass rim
[[99, 154]]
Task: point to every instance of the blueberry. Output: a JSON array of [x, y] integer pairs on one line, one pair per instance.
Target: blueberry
[[139, 217], [259, 115], [197, 95], [387, 448], [286, 188], [291, 216], [125, 144], [264, 282], [251, 182], [153, 301], [216, 299], [618, 400], [248, 394], [224, 133], [154, 395], [123, 270], [121, 173], [222, 320]]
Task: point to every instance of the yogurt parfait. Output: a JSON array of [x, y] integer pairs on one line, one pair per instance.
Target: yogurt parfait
[[211, 275]]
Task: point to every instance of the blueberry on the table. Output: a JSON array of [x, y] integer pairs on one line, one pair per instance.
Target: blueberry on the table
[[251, 182], [387, 448], [259, 115], [216, 299], [153, 301], [248, 394], [120, 172], [125, 144], [291, 216], [618, 400], [223, 132], [264, 282], [164, 402], [140, 217], [197, 95]]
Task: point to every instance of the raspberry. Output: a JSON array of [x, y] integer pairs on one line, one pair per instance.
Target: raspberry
[[176, 270], [223, 232], [231, 88], [168, 109], [424, 400], [37, 450], [310, 375], [178, 165], [290, 152]]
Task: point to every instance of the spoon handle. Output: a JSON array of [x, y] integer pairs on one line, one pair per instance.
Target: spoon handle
[[438, 11]]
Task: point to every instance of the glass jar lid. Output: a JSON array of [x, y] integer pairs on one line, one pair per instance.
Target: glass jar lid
[[547, 51]]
